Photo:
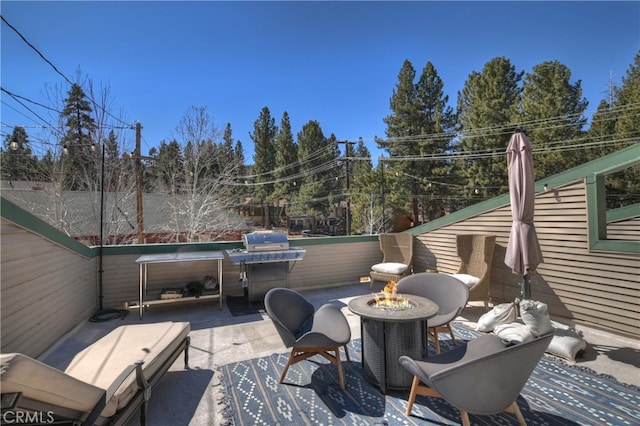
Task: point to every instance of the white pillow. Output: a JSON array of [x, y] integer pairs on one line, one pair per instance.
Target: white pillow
[[469, 280], [536, 316], [503, 313], [566, 343], [513, 333], [390, 268]]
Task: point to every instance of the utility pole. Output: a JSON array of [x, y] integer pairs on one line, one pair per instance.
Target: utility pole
[[138, 159], [348, 159]]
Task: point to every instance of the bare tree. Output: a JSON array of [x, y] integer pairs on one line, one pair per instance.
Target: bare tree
[[199, 208]]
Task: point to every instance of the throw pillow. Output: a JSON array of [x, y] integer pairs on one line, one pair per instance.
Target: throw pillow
[[469, 280], [566, 343], [390, 268], [500, 314], [513, 333], [536, 316]]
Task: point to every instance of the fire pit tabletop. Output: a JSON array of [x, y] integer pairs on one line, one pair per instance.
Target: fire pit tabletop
[[423, 309]]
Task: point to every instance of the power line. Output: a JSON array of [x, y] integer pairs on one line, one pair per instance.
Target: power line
[[36, 50]]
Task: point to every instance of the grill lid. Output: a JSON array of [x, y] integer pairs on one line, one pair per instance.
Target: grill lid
[[265, 241]]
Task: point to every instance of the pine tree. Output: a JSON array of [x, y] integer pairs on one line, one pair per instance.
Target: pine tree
[[554, 107], [80, 162], [486, 106], [264, 159], [285, 167], [18, 161]]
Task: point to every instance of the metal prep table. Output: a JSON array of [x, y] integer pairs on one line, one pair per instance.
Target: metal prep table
[[145, 260]]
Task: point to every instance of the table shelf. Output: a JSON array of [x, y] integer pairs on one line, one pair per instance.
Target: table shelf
[[145, 300]]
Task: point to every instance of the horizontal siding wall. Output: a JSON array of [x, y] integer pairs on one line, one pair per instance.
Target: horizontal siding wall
[[598, 288], [41, 281], [324, 265]]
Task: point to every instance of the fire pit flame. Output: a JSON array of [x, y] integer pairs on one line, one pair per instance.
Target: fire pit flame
[[390, 300]]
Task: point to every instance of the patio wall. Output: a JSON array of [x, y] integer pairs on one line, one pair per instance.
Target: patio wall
[[598, 288], [328, 262], [47, 290]]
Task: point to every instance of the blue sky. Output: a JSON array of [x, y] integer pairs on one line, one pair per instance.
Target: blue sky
[[334, 62]]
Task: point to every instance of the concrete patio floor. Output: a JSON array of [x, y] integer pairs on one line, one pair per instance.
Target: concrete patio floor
[[195, 396]]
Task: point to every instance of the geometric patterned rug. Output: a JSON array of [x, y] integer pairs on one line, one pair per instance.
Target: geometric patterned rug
[[556, 394]]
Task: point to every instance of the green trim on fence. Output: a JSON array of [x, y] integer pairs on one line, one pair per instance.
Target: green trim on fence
[[623, 213], [24, 219]]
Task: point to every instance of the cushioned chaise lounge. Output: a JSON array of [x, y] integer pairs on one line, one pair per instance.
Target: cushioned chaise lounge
[[104, 384]]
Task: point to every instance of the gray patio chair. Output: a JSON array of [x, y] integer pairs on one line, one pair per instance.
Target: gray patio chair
[[482, 376], [306, 330], [450, 294], [397, 258]]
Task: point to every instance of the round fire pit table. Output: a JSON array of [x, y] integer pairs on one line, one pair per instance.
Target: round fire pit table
[[387, 334]]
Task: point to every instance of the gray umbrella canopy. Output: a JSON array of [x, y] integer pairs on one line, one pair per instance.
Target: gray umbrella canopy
[[523, 253]]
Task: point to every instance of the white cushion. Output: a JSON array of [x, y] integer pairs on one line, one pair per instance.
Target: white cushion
[[500, 314], [469, 280], [513, 333], [536, 316], [390, 268], [566, 343]]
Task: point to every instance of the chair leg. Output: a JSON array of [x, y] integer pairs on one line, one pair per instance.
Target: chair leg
[[346, 351], [412, 394], [289, 362], [339, 366], [433, 333], [514, 409], [465, 418], [453, 338]]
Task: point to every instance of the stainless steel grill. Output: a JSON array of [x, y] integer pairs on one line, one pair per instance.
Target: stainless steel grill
[[264, 262]]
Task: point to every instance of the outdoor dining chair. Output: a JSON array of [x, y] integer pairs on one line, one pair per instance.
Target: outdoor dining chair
[[482, 376], [306, 330], [449, 293]]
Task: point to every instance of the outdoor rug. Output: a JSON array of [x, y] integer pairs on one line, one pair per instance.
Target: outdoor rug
[[556, 394], [238, 306]]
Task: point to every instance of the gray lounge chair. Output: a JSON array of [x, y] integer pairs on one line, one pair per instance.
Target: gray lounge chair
[[306, 330], [482, 376], [450, 294]]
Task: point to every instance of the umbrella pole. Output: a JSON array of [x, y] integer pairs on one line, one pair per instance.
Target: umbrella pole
[[526, 287]]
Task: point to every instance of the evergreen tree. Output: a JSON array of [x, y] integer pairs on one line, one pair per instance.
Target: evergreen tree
[[437, 123], [18, 162], [285, 166], [403, 129], [169, 165], [366, 194], [554, 107], [486, 106], [317, 156], [623, 188], [264, 159], [80, 161]]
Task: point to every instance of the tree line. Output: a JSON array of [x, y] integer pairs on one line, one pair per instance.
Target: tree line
[[437, 159]]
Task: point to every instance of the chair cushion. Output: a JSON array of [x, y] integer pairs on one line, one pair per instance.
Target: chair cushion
[[503, 313], [513, 333], [390, 268], [102, 362], [566, 343], [536, 316], [40, 382], [327, 327], [469, 280]]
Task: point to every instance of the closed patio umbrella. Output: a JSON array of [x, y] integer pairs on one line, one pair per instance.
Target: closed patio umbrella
[[523, 253]]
